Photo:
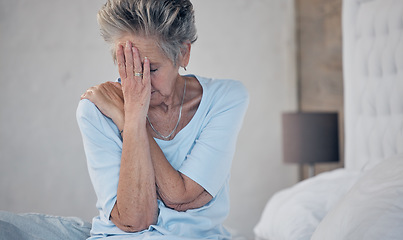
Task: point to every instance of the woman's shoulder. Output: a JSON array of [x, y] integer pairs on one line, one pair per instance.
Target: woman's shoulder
[[86, 109], [221, 83], [92, 122], [87, 113], [228, 89]]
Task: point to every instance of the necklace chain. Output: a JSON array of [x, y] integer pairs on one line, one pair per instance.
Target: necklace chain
[[177, 123]]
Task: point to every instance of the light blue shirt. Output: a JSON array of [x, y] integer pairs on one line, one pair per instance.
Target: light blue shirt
[[203, 150]]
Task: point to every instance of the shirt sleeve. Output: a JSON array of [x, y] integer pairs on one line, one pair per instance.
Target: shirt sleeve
[[103, 149], [209, 162]]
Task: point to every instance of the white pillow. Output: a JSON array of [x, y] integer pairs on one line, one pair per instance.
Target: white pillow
[[372, 209]]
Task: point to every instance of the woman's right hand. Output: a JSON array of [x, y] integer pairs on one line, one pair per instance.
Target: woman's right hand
[[111, 98], [136, 87]]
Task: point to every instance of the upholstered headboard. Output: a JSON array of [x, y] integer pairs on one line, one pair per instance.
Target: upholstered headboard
[[373, 81]]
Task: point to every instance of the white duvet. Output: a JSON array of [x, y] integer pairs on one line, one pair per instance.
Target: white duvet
[[294, 213], [371, 210], [339, 205]]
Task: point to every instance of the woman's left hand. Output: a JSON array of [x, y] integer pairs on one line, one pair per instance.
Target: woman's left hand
[[108, 97]]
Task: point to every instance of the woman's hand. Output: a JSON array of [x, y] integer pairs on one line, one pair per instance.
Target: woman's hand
[[108, 97], [136, 87], [136, 206]]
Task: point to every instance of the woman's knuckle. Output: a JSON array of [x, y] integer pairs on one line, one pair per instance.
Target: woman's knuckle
[[121, 65]]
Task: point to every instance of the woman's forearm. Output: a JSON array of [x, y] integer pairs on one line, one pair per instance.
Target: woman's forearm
[[199, 202], [176, 190], [136, 205], [171, 184]]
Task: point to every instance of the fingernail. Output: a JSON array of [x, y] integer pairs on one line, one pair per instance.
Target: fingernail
[[127, 44]]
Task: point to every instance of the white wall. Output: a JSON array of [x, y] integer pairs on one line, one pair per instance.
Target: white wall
[[51, 52]]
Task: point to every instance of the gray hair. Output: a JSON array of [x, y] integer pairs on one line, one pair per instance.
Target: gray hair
[[170, 22]]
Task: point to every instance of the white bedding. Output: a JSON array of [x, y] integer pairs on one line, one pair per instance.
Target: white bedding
[[294, 213], [339, 205], [371, 210]]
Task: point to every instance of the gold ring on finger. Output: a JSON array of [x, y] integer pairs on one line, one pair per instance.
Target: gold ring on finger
[[137, 74]]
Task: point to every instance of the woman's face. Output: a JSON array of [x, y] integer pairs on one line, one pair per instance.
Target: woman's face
[[162, 70]]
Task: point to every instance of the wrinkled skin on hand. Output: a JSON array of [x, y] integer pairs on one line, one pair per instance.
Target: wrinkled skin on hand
[[108, 97]]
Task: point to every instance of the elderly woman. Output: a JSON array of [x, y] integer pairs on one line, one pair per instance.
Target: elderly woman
[[159, 145]]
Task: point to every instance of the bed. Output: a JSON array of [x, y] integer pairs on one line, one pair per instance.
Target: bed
[[363, 200]]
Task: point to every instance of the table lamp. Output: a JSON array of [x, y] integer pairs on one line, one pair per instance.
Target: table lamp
[[310, 137]]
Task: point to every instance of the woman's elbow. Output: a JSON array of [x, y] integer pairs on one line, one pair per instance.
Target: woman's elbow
[[178, 207], [135, 225], [132, 228], [132, 224], [199, 202]]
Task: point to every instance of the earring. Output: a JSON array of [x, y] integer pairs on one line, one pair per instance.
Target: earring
[[184, 68]]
